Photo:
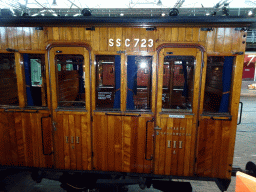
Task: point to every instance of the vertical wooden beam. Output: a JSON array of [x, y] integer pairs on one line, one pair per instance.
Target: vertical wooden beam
[[20, 80], [234, 103], [163, 144], [123, 78], [181, 36]]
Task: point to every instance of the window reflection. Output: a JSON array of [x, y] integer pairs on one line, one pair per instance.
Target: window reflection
[[218, 84], [178, 74], [35, 77], [139, 77], [71, 87], [8, 80], [108, 70]]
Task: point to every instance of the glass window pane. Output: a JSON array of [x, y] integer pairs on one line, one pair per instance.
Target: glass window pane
[[218, 84], [108, 70], [8, 80], [139, 77], [35, 77], [178, 83], [71, 87]]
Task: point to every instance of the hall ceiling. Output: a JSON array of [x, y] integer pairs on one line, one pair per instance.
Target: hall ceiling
[[126, 7]]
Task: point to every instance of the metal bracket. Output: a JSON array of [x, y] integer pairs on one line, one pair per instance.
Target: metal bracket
[[241, 29], [39, 28], [150, 28], [12, 50], [238, 53], [90, 28], [206, 29], [119, 52]]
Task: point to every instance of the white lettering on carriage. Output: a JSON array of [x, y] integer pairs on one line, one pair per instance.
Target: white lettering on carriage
[[136, 42]]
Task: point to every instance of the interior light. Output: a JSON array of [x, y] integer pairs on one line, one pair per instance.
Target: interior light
[[86, 12], [121, 14], [207, 14], [174, 12], [250, 13], [143, 64], [163, 14]]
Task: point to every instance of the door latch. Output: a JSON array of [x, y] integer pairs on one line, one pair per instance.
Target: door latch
[[54, 123]]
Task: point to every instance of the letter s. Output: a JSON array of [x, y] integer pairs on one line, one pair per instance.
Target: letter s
[[111, 44], [118, 42]]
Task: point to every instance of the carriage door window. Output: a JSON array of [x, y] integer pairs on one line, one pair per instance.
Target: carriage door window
[[108, 70], [178, 83], [35, 77], [139, 76], [8, 80], [71, 88], [218, 84]]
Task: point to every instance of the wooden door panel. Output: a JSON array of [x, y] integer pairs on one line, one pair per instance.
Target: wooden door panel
[[119, 143], [213, 139], [173, 147], [72, 141], [21, 139]]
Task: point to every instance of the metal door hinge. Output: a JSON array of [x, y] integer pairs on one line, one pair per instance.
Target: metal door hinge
[[91, 118]]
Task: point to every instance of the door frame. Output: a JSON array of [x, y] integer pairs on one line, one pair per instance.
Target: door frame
[[201, 59], [65, 111]]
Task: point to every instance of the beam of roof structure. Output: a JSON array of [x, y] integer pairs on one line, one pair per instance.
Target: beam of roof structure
[[179, 3]]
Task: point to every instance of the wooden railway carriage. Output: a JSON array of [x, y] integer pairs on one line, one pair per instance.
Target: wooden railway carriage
[[145, 97]]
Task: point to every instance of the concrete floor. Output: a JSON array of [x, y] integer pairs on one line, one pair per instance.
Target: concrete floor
[[245, 150]]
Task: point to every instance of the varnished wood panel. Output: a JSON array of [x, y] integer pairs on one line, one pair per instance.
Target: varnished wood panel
[[21, 137], [72, 136], [173, 143], [220, 40], [119, 143], [212, 148], [72, 142]]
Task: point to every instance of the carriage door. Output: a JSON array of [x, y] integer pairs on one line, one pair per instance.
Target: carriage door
[[179, 73], [122, 113], [69, 68]]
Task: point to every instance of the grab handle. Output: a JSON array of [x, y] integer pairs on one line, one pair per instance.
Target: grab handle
[[122, 115], [146, 147], [241, 110], [42, 132], [11, 110]]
